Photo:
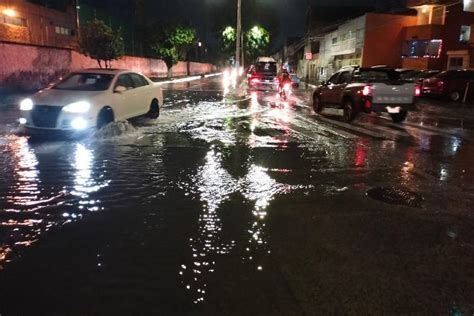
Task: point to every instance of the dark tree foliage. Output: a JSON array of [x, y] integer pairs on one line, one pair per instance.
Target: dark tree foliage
[[223, 14], [170, 42], [100, 42]]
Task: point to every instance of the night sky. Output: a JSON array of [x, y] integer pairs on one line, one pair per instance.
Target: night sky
[[291, 13]]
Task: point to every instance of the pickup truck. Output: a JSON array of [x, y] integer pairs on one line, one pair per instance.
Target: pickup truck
[[367, 90]]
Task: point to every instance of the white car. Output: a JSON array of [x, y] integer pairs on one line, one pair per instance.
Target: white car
[[91, 98]]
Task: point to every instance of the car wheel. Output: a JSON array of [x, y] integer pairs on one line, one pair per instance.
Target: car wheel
[[106, 116], [154, 111], [317, 105], [349, 111], [399, 117], [455, 96]]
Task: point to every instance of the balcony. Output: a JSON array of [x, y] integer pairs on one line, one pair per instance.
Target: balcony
[[344, 47], [430, 31]]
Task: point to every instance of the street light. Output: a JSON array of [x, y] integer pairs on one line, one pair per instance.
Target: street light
[[9, 12]]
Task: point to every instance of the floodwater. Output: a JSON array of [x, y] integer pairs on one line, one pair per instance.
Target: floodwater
[[241, 207]]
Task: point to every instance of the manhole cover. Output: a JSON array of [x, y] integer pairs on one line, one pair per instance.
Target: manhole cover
[[396, 195]]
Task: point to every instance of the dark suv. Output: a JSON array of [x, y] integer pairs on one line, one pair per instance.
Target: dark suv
[[263, 75], [451, 84]]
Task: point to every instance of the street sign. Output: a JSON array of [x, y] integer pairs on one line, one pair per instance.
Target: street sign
[[308, 56]]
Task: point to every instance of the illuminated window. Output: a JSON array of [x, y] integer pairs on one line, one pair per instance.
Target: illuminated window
[[465, 34], [64, 31], [422, 49], [13, 20]]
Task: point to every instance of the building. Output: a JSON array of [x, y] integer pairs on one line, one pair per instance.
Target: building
[[28, 23], [368, 40], [441, 38], [430, 34]]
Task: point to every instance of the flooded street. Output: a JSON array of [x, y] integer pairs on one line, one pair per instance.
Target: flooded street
[[251, 207]]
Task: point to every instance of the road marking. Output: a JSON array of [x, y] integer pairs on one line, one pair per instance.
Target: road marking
[[352, 128], [382, 129], [430, 130], [339, 133]]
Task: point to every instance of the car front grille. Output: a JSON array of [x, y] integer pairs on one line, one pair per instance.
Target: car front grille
[[45, 115]]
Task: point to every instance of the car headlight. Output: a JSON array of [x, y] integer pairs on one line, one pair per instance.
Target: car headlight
[[77, 107], [26, 105]]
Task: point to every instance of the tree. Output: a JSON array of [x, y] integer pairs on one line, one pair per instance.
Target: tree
[[172, 44], [100, 42], [256, 41], [222, 14]]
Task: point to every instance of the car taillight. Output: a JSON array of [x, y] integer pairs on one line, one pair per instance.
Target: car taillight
[[417, 91], [367, 91]]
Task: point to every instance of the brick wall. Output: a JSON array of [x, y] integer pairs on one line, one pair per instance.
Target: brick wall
[[33, 67]]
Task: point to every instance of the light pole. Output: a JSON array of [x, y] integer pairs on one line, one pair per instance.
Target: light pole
[[239, 31], [78, 19]]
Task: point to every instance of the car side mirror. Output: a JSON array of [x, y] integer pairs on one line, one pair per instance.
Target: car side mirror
[[120, 89]]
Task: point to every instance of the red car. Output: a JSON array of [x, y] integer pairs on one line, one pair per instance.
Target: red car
[[450, 84]]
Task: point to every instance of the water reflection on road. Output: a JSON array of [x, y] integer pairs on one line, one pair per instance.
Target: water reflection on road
[[238, 167]]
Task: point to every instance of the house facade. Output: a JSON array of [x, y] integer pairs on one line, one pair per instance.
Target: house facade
[[428, 35], [368, 40], [27, 23], [442, 37]]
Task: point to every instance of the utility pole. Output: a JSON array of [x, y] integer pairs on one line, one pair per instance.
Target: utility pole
[[238, 33], [242, 61], [78, 18]]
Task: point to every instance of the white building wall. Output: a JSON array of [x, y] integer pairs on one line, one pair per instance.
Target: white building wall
[[342, 47]]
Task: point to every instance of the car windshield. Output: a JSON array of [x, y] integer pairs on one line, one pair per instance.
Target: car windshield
[[85, 82], [266, 67], [370, 75]]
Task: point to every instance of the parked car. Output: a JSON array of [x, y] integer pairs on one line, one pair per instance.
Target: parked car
[[264, 74], [407, 73], [424, 74], [295, 81], [450, 84], [91, 98], [367, 90]]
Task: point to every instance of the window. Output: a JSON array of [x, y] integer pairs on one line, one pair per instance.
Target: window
[[422, 48], [85, 82], [345, 77], [64, 31], [456, 63], [13, 20], [138, 81], [334, 40], [125, 81], [333, 79], [465, 35]]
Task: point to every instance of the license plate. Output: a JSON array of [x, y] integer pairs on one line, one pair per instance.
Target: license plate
[[393, 110], [267, 81]]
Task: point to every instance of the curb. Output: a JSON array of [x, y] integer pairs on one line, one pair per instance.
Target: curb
[[187, 79]]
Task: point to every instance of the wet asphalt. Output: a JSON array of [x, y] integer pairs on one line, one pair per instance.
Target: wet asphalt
[[240, 206]]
